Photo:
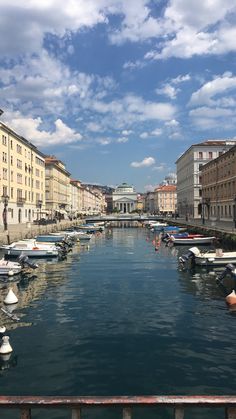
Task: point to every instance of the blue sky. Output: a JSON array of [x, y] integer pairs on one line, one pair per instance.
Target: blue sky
[[118, 89]]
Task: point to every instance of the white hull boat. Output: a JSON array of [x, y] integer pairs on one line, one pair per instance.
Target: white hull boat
[[215, 257], [9, 268], [82, 236], [191, 241], [30, 248]]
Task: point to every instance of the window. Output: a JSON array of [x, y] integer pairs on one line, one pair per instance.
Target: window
[[12, 194], [11, 145], [4, 157], [11, 160], [4, 140], [19, 148], [210, 154], [4, 173], [19, 178], [200, 155], [19, 164], [4, 190]]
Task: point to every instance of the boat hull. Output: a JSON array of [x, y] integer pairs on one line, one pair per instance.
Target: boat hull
[[194, 241], [30, 253], [214, 260]]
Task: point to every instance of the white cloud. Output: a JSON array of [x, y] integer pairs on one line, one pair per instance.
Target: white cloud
[[172, 123], [196, 28], [157, 132], [127, 132], [30, 128], [168, 90], [149, 188], [160, 167], [122, 140], [146, 162], [220, 85], [144, 135], [104, 141], [94, 127]]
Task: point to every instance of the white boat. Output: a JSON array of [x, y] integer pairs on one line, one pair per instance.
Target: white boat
[[83, 236], [30, 248], [215, 257], [10, 268], [191, 240]]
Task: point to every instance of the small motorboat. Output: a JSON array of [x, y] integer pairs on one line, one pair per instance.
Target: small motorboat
[[191, 239], [30, 248], [83, 236], [215, 257], [13, 268]]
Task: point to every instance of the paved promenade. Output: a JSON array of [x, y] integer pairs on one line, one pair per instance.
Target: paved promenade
[[28, 230]]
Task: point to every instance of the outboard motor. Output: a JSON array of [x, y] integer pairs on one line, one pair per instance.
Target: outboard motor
[[189, 256], [230, 269], [165, 237], [24, 262]]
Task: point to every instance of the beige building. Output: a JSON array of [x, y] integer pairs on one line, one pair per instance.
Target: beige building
[[165, 199], [93, 200], [219, 188], [75, 198], [57, 184], [22, 179], [188, 167]]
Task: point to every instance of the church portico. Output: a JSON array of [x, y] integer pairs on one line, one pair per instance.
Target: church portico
[[124, 199]]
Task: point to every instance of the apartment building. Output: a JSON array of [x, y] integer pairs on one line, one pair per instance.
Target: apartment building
[[219, 188], [75, 198], [57, 184], [93, 200], [22, 179], [189, 183], [165, 199], [149, 202]]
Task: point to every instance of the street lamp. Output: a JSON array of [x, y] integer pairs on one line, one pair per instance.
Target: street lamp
[[40, 203], [235, 212], [5, 199]]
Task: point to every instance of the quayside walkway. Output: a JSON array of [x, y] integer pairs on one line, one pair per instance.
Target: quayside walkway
[[76, 405]]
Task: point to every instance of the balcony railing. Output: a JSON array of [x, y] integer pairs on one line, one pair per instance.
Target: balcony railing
[[20, 200], [76, 404]]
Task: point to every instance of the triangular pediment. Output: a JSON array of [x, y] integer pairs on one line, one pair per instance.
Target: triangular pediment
[[124, 199]]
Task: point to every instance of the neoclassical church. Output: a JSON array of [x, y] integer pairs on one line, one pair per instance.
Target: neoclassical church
[[124, 198]]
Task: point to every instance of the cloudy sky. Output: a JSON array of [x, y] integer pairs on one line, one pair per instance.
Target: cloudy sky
[[118, 89]]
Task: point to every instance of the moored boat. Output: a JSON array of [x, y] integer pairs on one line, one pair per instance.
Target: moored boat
[[215, 257], [30, 248], [191, 239]]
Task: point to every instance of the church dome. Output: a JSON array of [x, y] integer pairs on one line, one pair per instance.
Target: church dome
[[124, 187]]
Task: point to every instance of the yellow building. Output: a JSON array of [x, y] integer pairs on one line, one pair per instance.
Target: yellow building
[[165, 199], [57, 186], [22, 179]]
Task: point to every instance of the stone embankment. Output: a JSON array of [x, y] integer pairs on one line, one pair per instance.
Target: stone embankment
[[224, 232], [26, 231]]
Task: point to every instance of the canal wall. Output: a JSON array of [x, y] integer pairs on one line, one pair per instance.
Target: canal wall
[[26, 231]]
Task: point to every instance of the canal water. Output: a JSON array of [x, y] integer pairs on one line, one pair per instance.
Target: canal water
[[119, 318]]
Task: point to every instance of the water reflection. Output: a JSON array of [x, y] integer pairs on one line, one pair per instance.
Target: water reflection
[[120, 318]]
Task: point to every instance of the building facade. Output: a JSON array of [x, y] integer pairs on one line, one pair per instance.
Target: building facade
[[219, 188], [165, 199], [124, 199], [22, 179], [149, 203], [57, 184], [189, 186]]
